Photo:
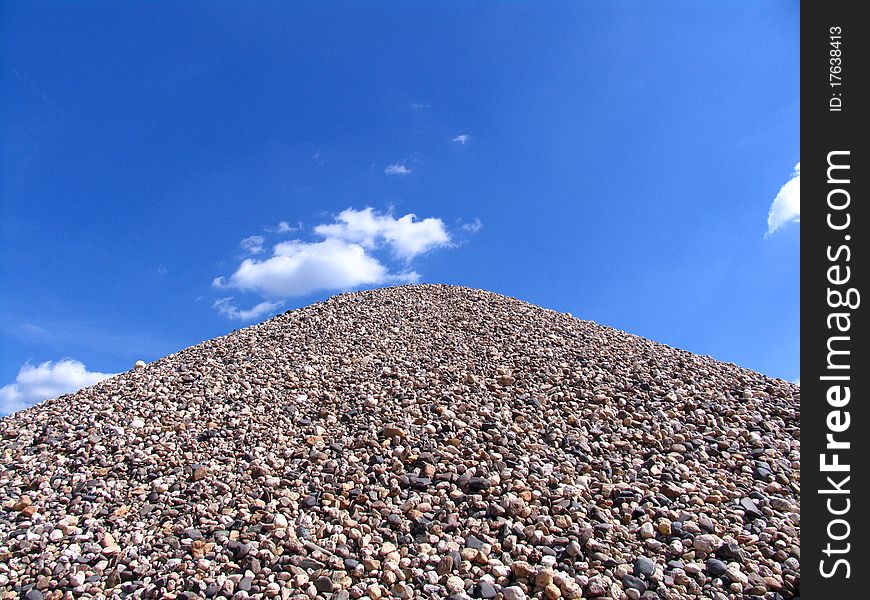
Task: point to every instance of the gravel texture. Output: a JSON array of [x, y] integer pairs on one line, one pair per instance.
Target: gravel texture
[[420, 441]]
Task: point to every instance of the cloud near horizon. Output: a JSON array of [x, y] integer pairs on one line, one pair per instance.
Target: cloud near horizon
[[342, 260], [786, 207], [226, 307], [46, 380]]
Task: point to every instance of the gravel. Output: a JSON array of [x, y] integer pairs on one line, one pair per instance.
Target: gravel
[[716, 568], [412, 442], [644, 566]]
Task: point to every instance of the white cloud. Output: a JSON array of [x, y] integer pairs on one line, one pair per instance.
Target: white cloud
[[786, 207], [397, 169], [461, 138], [472, 227], [297, 268], [406, 236], [226, 307], [46, 380], [343, 260], [253, 244], [285, 227]]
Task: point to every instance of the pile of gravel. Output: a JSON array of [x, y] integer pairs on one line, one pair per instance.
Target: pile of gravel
[[421, 441]]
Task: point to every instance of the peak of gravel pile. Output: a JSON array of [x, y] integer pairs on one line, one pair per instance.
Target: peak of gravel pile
[[409, 442]]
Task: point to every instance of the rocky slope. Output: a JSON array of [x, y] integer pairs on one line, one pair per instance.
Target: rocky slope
[[418, 441]]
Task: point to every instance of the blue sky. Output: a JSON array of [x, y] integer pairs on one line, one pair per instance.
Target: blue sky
[[615, 160]]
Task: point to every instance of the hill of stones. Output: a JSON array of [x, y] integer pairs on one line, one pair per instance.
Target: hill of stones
[[421, 441]]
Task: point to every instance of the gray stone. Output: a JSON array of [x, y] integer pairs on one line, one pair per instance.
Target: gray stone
[[716, 568], [630, 581], [644, 566], [324, 584]]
